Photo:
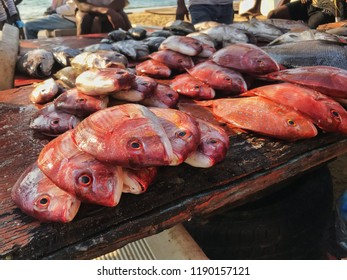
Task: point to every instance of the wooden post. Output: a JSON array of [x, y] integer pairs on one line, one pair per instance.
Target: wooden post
[[9, 46]]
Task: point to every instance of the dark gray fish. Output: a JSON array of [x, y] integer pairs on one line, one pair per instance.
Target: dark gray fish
[[287, 25], [52, 122], [309, 53], [153, 43], [135, 50], [67, 75], [100, 46], [161, 33], [137, 33], [63, 55], [117, 35], [180, 27], [36, 63], [106, 41]]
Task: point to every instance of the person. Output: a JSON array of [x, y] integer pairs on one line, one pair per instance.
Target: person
[[59, 15], [8, 12], [314, 12], [97, 16], [206, 10]]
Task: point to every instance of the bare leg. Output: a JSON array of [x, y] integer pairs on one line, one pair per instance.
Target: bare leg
[[84, 22]]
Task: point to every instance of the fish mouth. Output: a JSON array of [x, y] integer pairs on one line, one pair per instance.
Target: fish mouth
[[71, 210], [73, 122], [200, 160]]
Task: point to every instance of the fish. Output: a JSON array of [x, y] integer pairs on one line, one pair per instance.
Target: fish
[[339, 31], [306, 35], [161, 33], [182, 44], [309, 53], [104, 81], [79, 104], [137, 181], [203, 38], [79, 173], [133, 49], [225, 35], [179, 27], [137, 33], [67, 75], [263, 116], [153, 68], [205, 25], [129, 135], [64, 54], [262, 30], [219, 78], [162, 97], [153, 43], [207, 51], [187, 85], [98, 59], [323, 111], [182, 131], [44, 92], [52, 122], [141, 87], [117, 35], [36, 63], [173, 60], [101, 47], [39, 197], [328, 80], [287, 25], [213, 146], [246, 58]]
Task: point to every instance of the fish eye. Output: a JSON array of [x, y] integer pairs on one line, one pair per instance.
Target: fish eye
[[55, 122], [135, 144], [81, 100], [85, 180], [180, 60], [196, 87], [121, 72], [227, 78], [212, 141], [334, 113], [291, 123], [181, 134], [43, 202], [170, 95]]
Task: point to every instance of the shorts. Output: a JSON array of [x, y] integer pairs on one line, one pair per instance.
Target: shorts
[[219, 13]]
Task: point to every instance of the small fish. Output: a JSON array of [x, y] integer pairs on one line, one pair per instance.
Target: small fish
[[246, 58], [117, 35], [79, 104], [44, 91], [137, 33], [39, 197], [213, 146], [287, 25], [207, 51], [161, 33], [153, 43], [133, 49], [133, 129], [79, 173], [219, 78], [182, 131], [173, 60], [162, 97], [186, 84], [205, 25], [203, 38], [52, 122], [36, 63], [64, 54], [104, 81], [263, 116], [101, 47], [182, 44], [179, 27], [153, 68], [67, 75], [137, 181]]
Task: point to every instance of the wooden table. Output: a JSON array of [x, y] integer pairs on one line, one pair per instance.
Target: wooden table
[[252, 168]]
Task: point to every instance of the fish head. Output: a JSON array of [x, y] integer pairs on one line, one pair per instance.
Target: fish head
[[136, 181], [167, 97], [260, 63], [40, 198], [144, 84]]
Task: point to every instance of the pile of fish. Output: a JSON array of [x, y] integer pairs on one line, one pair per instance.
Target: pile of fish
[[115, 123]]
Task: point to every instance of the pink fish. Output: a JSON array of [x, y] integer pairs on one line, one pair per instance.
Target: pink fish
[[263, 116], [186, 84], [219, 78], [52, 122], [104, 81], [247, 58], [182, 131], [44, 91], [40, 198], [80, 174], [79, 104], [325, 79], [153, 68], [323, 111], [213, 147], [182, 44], [129, 135], [173, 60], [162, 97], [137, 181]]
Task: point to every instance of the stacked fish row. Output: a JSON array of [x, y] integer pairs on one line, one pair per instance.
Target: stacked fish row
[[114, 150]]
